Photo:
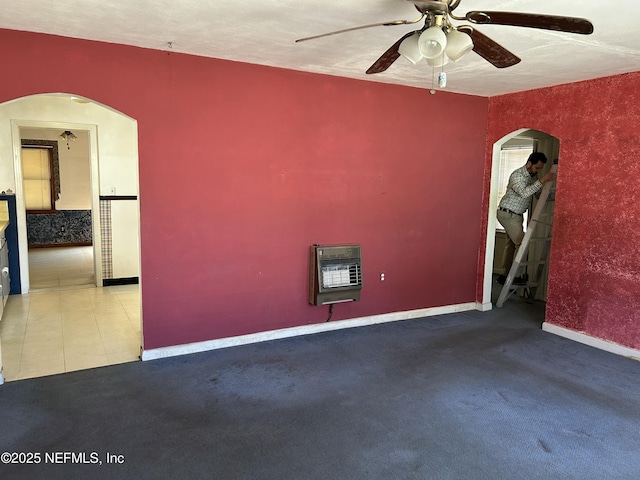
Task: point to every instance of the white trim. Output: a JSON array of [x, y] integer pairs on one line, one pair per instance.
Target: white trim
[[491, 220], [207, 345], [484, 307], [605, 345], [23, 247], [95, 203]]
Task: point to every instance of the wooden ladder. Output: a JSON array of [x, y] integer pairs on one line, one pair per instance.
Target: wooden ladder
[[508, 288]]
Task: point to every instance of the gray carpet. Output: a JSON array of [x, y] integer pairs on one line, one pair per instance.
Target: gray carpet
[[463, 396]]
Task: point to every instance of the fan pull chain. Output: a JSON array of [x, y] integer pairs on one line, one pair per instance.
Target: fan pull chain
[[442, 80], [433, 81], [442, 77]]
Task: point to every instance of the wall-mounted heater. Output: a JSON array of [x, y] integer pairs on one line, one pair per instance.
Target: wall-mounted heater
[[335, 274]]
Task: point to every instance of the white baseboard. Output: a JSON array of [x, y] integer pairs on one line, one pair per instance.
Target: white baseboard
[[484, 307], [592, 341], [196, 347]]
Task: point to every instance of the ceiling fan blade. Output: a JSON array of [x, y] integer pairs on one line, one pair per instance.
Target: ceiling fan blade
[[533, 20], [490, 50], [388, 57], [379, 24]]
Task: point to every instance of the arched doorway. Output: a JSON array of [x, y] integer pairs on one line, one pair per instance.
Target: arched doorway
[[113, 158], [542, 142]]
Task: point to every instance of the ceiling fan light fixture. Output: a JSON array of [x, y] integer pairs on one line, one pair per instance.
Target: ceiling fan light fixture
[[458, 44], [410, 49], [438, 61], [432, 42]]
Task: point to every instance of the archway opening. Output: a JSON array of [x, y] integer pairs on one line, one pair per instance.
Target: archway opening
[[112, 305], [526, 140]]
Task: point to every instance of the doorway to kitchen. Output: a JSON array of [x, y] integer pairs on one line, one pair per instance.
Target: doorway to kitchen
[[48, 331], [58, 204]]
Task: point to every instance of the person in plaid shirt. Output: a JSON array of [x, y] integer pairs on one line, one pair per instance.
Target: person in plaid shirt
[[523, 183]]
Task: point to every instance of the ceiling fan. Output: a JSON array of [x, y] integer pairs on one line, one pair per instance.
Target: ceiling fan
[[439, 41]]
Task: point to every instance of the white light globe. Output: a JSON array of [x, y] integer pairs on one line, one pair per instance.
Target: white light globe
[[458, 45], [438, 61], [410, 50], [432, 42]]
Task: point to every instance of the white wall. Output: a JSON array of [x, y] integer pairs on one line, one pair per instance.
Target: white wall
[[125, 263], [117, 137]]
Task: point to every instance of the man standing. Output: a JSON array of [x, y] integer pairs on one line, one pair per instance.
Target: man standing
[[523, 183]]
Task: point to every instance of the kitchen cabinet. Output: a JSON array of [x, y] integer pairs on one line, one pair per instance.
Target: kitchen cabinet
[[5, 286], [8, 213]]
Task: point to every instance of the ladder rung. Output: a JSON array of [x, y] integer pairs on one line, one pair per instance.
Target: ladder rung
[[540, 222], [528, 284], [533, 262]]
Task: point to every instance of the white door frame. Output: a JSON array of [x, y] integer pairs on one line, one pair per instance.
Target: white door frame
[[490, 243], [552, 151], [23, 244]]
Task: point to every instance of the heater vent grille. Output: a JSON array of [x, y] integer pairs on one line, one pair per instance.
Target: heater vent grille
[[335, 274], [341, 275]]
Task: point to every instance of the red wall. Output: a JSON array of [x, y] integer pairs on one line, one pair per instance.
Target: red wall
[[594, 275], [243, 167]]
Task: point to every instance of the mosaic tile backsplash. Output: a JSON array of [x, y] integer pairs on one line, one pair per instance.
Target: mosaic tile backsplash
[[59, 228]]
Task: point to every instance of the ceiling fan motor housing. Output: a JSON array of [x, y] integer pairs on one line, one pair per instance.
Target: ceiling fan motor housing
[[432, 6]]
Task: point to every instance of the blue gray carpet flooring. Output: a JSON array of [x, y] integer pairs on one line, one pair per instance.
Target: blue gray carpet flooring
[[463, 396]]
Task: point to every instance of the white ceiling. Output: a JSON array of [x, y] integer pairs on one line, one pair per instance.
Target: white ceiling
[[264, 32]]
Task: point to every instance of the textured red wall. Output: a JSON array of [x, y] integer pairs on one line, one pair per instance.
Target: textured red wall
[[594, 276], [243, 167]]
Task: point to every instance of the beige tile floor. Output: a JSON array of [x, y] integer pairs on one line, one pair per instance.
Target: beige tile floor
[[60, 267], [57, 329]]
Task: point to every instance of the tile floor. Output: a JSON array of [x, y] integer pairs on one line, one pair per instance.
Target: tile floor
[[60, 267], [66, 324]]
